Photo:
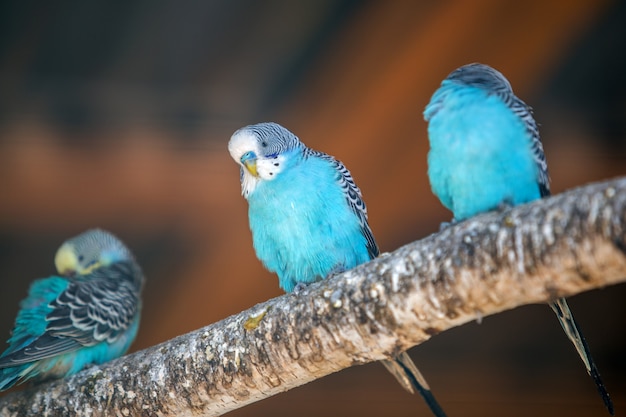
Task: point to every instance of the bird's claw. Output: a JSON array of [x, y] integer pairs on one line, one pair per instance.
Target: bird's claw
[[300, 286]]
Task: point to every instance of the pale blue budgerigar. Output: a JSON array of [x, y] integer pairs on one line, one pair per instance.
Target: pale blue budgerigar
[[308, 219], [485, 153], [87, 314]]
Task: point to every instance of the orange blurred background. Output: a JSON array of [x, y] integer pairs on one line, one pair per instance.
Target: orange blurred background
[[118, 116]]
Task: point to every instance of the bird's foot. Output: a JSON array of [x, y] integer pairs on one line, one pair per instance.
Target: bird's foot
[[444, 225], [88, 366], [336, 271], [300, 286], [504, 206]]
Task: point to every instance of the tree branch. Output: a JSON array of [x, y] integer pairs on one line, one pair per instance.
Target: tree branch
[[555, 247]]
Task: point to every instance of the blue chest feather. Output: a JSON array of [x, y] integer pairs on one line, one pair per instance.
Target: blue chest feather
[[480, 153], [302, 226]]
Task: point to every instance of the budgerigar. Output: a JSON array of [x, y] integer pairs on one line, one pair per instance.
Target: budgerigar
[[308, 219], [88, 314], [485, 153]]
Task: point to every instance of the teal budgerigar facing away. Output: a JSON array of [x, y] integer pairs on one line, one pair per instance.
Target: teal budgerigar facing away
[[485, 153], [308, 219], [88, 314]]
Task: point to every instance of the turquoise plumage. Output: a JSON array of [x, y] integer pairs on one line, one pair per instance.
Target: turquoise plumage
[[308, 218], [485, 153], [88, 314], [306, 214]]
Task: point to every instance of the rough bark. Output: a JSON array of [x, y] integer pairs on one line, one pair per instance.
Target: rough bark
[[555, 247]]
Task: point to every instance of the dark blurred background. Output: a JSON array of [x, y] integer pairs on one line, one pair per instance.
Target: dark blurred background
[[118, 114]]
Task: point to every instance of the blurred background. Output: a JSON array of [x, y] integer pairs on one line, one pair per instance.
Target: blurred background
[[118, 114]]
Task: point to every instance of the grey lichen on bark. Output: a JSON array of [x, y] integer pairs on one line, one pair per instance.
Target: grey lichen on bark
[[555, 247]]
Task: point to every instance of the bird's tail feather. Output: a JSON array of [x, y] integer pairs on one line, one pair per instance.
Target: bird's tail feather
[[10, 376], [411, 379], [566, 318]]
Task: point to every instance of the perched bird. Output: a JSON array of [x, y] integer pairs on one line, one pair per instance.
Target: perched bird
[[88, 314], [308, 219], [485, 153]]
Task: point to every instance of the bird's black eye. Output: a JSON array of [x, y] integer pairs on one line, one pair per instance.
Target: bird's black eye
[[81, 258], [276, 164], [264, 144]]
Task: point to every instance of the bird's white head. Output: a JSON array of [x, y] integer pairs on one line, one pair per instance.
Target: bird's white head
[[260, 150]]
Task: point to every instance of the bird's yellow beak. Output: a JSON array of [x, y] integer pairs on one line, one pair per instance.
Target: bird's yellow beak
[[251, 167], [249, 161], [65, 260]]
